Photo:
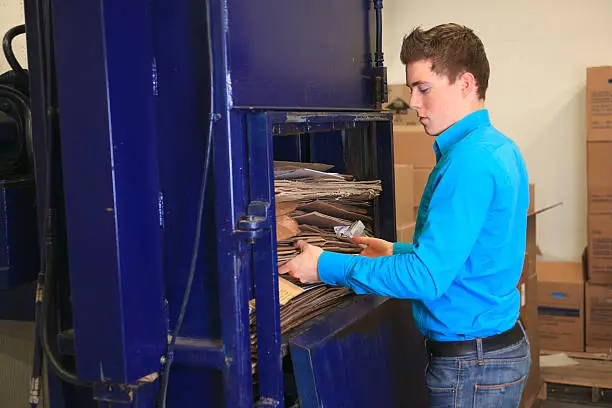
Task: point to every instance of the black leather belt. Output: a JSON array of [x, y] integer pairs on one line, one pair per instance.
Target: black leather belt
[[467, 347]]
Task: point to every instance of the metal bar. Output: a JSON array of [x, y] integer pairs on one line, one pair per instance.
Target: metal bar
[[199, 353], [231, 253], [261, 174], [382, 145], [189, 352]]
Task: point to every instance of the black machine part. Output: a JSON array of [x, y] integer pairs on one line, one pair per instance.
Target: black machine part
[[15, 138], [9, 129]]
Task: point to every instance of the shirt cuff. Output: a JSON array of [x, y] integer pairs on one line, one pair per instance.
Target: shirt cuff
[[332, 267], [402, 248]]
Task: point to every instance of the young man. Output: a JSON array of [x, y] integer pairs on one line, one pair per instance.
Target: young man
[[469, 243]]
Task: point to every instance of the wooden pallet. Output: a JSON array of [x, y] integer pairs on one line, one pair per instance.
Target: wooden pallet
[[594, 370]]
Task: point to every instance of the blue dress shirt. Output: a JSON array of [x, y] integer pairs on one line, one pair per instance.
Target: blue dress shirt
[[469, 243]]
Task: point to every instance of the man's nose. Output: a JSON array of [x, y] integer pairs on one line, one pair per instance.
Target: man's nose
[[415, 101]]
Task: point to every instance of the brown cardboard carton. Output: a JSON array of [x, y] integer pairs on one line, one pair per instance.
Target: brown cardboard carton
[[599, 169], [529, 309], [399, 98], [599, 317], [528, 287], [413, 146], [600, 248], [599, 103], [560, 304], [405, 233], [404, 195]]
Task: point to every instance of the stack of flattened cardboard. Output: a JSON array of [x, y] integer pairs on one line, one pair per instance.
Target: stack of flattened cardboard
[[298, 305], [310, 203]]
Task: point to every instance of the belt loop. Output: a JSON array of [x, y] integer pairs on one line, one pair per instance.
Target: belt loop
[[480, 354]]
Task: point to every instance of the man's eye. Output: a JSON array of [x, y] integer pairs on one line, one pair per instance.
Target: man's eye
[[424, 90]]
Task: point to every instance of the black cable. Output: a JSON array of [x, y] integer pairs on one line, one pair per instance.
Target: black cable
[[7, 46], [196, 244], [378, 56]]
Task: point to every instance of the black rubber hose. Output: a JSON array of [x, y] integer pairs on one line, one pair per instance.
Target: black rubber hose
[[7, 46]]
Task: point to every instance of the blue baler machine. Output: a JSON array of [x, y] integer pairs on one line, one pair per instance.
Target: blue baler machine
[[155, 128]]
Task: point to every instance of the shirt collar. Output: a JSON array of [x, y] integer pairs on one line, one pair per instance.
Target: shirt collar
[[459, 130]]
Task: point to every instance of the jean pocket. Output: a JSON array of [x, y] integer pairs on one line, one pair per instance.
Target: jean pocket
[[441, 397], [441, 379], [507, 395]]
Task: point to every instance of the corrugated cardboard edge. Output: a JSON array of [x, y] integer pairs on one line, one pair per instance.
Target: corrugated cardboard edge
[[543, 209]]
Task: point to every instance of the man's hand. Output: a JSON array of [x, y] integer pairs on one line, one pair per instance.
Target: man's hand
[[375, 247], [304, 266]]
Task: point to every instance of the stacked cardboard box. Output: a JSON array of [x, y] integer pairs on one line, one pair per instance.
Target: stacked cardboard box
[[560, 304], [599, 180]]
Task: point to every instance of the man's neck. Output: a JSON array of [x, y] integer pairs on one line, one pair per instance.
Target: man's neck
[[476, 106]]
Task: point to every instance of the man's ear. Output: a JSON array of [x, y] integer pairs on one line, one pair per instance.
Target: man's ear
[[468, 83]]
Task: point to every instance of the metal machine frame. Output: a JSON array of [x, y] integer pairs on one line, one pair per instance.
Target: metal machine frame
[[129, 146]]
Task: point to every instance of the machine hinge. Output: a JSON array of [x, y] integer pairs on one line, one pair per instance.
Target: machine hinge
[[251, 226]]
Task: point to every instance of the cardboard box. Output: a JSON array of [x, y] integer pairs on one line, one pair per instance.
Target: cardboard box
[[529, 309], [599, 317], [405, 233], [600, 248], [560, 304], [599, 103], [404, 195], [413, 146], [528, 287], [599, 182], [399, 99]]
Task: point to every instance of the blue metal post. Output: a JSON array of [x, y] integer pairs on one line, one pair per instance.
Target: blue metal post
[[104, 64], [264, 253]]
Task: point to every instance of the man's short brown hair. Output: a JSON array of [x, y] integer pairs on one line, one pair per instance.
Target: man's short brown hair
[[452, 49]]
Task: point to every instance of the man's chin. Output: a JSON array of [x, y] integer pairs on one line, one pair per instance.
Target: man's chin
[[429, 131]]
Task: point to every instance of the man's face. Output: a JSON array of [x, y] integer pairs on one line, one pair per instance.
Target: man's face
[[438, 103]]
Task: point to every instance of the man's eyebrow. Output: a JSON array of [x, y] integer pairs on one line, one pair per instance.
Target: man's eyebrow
[[416, 83]]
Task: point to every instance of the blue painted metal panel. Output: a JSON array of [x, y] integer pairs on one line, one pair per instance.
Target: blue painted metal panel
[[365, 354], [301, 54], [183, 92], [111, 186]]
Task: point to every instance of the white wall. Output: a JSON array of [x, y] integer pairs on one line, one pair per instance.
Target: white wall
[[11, 14], [538, 51]]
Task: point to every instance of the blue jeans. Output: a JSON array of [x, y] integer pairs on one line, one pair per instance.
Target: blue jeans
[[482, 380]]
